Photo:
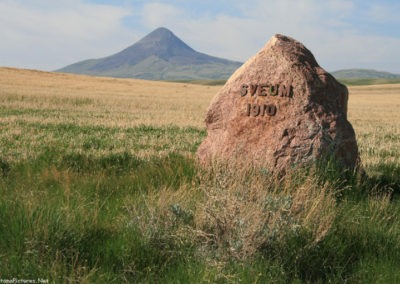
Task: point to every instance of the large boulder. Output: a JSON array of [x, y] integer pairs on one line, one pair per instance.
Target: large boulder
[[279, 110]]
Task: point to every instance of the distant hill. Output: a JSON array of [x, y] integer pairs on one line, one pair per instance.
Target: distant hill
[[363, 74], [158, 56]]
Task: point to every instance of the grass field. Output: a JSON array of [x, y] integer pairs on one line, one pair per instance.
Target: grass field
[[98, 184]]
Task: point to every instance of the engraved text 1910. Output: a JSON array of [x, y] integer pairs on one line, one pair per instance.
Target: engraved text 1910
[[265, 90]]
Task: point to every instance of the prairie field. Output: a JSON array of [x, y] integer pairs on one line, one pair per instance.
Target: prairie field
[[99, 184]]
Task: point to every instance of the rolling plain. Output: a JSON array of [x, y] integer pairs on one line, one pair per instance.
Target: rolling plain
[[99, 183]]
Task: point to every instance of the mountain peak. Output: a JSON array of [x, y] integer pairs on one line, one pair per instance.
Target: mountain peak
[[161, 31], [158, 55], [164, 43], [160, 34]]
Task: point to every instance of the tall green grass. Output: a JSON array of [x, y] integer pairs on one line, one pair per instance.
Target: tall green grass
[[120, 218], [65, 221]]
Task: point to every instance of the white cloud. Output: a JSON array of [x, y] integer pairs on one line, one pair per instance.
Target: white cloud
[[155, 14], [57, 33], [48, 34], [325, 27]]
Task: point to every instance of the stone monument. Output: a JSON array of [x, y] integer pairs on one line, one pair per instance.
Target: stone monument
[[279, 110]]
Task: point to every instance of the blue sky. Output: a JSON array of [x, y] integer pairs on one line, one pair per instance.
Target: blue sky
[[48, 34]]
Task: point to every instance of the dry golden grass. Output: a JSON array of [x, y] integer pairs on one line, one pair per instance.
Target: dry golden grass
[[374, 112], [37, 110], [235, 212], [54, 98], [87, 100]]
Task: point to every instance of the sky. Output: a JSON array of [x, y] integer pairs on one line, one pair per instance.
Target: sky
[[342, 34]]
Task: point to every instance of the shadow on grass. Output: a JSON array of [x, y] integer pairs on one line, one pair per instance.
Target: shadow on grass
[[386, 179]]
